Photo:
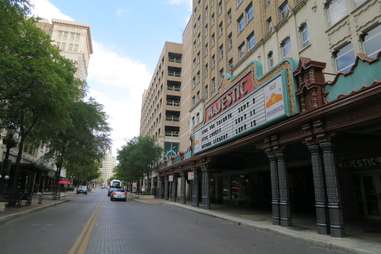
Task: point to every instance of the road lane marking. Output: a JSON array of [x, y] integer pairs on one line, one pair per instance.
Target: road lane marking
[[80, 245]]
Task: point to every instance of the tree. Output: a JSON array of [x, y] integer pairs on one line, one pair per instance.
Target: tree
[[80, 145], [137, 156], [37, 86]]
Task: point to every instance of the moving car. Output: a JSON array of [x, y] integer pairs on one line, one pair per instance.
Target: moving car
[[111, 189], [119, 194], [82, 189]]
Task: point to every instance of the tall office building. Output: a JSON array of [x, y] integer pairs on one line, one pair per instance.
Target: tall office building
[[108, 165], [280, 107], [74, 41], [160, 113]]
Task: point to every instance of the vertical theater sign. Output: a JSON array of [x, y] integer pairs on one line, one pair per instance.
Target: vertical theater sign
[[253, 102]]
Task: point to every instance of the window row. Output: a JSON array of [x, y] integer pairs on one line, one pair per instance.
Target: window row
[[371, 44]]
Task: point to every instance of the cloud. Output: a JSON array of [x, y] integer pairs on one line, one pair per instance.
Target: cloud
[[121, 12], [177, 3], [111, 70], [116, 80], [45, 9]]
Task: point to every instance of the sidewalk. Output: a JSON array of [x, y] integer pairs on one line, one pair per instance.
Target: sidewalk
[[12, 213], [346, 244]]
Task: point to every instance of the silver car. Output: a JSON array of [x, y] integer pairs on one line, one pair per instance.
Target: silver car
[[118, 194]]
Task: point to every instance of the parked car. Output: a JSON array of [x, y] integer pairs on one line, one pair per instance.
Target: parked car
[[119, 194], [82, 189]]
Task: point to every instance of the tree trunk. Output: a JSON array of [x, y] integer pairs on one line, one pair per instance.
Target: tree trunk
[[14, 195]]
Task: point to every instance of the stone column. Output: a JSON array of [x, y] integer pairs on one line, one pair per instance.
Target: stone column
[[182, 188], [195, 188], [166, 189], [274, 188], [284, 194], [205, 197], [319, 187], [335, 209]]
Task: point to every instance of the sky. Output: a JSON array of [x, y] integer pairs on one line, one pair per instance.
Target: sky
[[127, 37]]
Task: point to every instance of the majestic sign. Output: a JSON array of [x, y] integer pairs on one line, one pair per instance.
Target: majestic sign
[[241, 110], [231, 97]]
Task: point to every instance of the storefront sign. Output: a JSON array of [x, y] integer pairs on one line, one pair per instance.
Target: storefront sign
[[372, 162], [170, 178], [231, 97], [258, 108], [190, 176], [64, 181]]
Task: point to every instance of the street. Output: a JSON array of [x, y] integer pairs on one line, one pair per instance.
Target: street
[[137, 228]]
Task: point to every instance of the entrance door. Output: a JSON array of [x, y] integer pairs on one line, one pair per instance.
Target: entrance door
[[371, 194]]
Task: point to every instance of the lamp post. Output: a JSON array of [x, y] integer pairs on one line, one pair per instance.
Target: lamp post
[[10, 141]]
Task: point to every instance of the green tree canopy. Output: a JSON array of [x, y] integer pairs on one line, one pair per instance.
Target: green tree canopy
[[136, 157], [80, 145]]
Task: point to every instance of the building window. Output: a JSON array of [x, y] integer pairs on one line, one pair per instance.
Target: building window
[[241, 24], [284, 10], [193, 100], [286, 47], [221, 76], [221, 51], [241, 50], [238, 3], [230, 64], [220, 29], [219, 11], [206, 92], [304, 36], [251, 41], [372, 42], [270, 27], [213, 62], [249, 12], [337, 9], [229, 16], [230, 41], [270, 59], [345, 58], [213, 85]]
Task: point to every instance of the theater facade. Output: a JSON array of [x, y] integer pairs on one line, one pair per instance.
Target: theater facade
[[290, 143]]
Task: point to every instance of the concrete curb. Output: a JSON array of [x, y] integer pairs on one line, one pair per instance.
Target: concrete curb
[[347, 244], [6, 218]]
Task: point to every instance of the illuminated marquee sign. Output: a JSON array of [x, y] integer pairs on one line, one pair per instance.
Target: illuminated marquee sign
[[231, 97], [241, 110]]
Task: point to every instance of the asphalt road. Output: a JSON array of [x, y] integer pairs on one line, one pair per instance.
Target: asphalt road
[[106, 227]]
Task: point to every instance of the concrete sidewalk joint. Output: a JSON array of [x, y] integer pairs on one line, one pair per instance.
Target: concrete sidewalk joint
[[346, 244]]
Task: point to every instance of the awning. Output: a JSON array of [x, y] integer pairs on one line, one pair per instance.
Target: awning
[[65, 181]]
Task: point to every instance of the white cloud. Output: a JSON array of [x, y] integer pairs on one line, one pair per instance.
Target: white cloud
[[121, 12], [45, 9], [177, 3], [110, 70]]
